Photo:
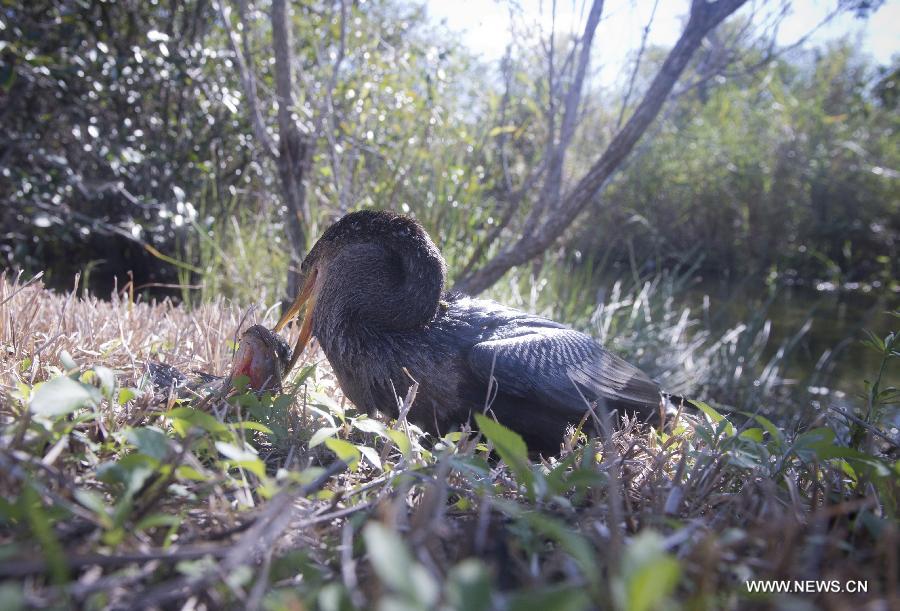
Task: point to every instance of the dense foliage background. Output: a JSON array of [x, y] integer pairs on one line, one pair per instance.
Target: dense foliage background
[[126, 125]]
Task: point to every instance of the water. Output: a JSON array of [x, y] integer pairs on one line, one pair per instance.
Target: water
[[837, 317]]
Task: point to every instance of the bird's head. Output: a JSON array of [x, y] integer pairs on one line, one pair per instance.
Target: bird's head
[[375, 266], [263, 357]]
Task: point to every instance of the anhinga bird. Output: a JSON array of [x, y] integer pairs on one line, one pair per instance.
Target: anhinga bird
[[374, 283]]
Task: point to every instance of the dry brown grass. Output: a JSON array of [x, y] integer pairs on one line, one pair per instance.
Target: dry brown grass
[[39, 324]]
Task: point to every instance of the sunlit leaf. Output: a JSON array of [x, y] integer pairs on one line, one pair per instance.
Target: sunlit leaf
[[715, 417], [345, 451], [370, 425], [510, 446], [649, 573], [183, 418], [61, 396], [371, 455], [322, 434], [254, 426], [150, 441], [469, 586], [107, 379], [395, 567], [753, 434], [401, 439], [505, 129]]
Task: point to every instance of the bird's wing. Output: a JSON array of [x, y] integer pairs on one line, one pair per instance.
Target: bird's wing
[[561, 368]]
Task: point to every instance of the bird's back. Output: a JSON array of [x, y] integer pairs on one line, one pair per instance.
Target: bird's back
[[545, 375]]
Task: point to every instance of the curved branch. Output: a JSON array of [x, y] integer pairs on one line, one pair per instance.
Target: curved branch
[[637, 65], [704, 17], [550, 191], [248, 78]]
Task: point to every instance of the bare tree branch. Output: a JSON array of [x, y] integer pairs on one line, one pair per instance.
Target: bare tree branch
[[637, 65], [772, 53], [295, 147], [329, 112], [704, 17], [244, 62], [552, 186]]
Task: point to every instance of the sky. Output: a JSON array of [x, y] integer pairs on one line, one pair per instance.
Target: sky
[[484, 25]]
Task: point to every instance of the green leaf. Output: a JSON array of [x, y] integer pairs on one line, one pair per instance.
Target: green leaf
[[806, 445], [94, 502], [322, 434], [469, 586], [61, 396], [233, 452], [504, 129], [43, 531], [184, 418], [320, 399], [107, 379], [190, 473], [773, 431], [370, 425], [715, 416], [860, 460], [66, 360], [472, 464], [155, 520], [131, 471], [8, 512], [511, 448], [255, 426], [558, 598], [577, 546], [254, 465], [371, 455], [126, 395], [401, 439], [345, 450], [649, 574], [150, 441], [394, 565], [333, 597], [754, 434], [240, 383]]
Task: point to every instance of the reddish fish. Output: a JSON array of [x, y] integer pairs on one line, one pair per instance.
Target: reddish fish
[[262, 357]]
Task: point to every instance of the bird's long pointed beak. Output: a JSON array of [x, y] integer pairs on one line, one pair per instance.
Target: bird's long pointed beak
[[305, 332], [303, 297], [306, 295]]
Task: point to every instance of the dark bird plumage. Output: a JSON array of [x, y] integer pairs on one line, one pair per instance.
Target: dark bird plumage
[[375, 284]]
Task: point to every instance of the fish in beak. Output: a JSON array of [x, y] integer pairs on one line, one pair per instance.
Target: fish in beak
[[306, 296], [262, 356]]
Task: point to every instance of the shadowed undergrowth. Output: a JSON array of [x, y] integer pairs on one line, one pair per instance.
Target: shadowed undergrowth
[[116, 495]]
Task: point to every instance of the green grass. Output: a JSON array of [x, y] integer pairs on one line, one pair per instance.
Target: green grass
[[114, 494]]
